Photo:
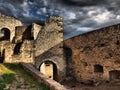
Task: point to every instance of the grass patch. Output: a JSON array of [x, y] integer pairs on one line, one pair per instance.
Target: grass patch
[[44, 86], [2, 86], [20, 71], [9, 76], [5, 69], [6, 77]]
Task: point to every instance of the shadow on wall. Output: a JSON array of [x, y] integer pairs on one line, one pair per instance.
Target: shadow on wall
[[2, 56], [68, 59], [17, 48], [27, 34]]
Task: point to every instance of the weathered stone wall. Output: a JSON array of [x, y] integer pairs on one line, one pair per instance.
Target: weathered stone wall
[[28, 32], [35, 29], [25, 54], [29, 42], [100, 47], [9, 23], [9, 47], [27, 51], [49, 47], [19, 30], [3, 45], [54, 55], [50, 35], [22, 48]]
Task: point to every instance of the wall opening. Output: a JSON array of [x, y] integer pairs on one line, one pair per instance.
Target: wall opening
[[6, 34], [118, 42], [28, 34], [98, 68], [49, 69], [2, 55], [114, 74], [17, 48], [68, 58]]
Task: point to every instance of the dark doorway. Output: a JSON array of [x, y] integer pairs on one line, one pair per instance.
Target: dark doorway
[[6, 33], [68, 58], [17, 48], [49, 69], [2, 56], [98, 68], [114, 74]]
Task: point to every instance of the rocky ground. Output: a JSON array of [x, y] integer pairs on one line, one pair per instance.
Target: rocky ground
[[20, 84], [112, 85]]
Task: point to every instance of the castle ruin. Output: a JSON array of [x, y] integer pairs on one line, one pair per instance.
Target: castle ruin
[[90, 56]]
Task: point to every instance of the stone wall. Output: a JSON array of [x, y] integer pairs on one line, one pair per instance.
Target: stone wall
[[28, 32], [35, 29], [49, 47], [30, 41], [9, 47], [54, 55], [42, 79], [24, 54], [9, 23], [27, 52], [50, 35], [95, 54], [20, 34]]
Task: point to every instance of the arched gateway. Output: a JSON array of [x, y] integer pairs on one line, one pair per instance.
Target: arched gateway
[[6, 33], [49, 69]]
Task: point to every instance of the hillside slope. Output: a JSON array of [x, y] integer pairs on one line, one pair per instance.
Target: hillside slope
[[13, 77]]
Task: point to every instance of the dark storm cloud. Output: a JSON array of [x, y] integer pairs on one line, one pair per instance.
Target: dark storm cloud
[[99, 13], [79, 16], [27, 11], [16, 1], [84, 2], [7, 8]]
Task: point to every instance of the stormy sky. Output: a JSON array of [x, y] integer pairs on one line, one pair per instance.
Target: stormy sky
[[79, 16]]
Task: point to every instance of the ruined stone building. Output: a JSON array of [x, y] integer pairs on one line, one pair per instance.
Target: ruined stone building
[[90, 56]]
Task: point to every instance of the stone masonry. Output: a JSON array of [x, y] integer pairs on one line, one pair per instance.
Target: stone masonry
[[30, 43], [93, 56]]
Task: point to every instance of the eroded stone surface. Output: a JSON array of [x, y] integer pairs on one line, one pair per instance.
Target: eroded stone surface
[[32, 43], [95, 54]]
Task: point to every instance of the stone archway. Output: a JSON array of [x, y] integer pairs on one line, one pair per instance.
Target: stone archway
[[114, 74], [49, 69], [6, 33]]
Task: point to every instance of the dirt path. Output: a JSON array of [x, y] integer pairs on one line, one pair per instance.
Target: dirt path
[[114, 85]]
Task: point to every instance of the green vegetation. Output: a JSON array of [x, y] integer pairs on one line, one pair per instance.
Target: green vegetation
[[44, 86], [6, 77], [9, 72]]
